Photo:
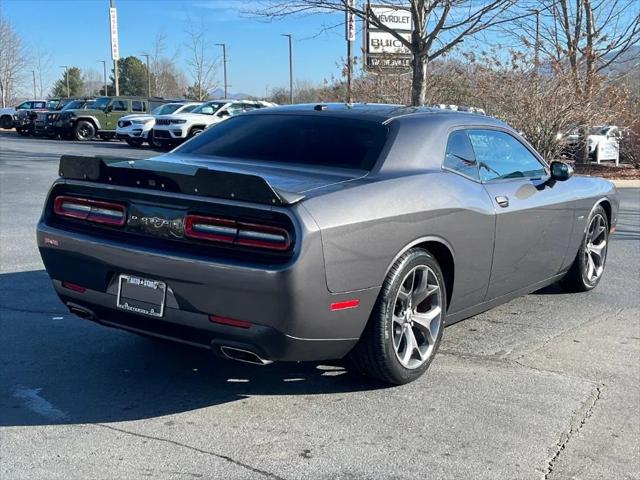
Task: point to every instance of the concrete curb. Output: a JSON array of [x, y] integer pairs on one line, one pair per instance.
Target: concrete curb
[[626, 183]]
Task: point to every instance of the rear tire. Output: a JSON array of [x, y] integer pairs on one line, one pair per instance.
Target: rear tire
[[405, 328], [588, 267], [84, 131]]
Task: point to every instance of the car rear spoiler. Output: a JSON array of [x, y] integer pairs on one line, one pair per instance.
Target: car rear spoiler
[[174, 177]]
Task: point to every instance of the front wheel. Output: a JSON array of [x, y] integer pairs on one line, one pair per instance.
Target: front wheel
[[587, 268], [134, 142], [84, 131], [405, 328], [151, 140], [6, 122], [195, 131]]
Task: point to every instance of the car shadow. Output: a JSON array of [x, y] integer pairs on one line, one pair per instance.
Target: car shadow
[[553, 289], [57, 368]]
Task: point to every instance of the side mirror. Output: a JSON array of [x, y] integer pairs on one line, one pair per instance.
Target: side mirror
[[561, 171], [108, 108], [224, 114]]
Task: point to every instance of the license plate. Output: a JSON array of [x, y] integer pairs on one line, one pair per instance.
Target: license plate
[[141, 295]]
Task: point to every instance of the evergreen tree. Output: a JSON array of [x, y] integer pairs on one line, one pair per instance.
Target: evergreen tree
[[132, 77], [76, 84]]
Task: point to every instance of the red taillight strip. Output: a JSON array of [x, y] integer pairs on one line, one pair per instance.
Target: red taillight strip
[[238, 233], [263, 236], [96, 211], [232, 322], [345, 305], [210, 228], [74, 286]]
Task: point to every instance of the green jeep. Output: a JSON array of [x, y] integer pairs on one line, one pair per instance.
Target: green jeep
[[101, 119]]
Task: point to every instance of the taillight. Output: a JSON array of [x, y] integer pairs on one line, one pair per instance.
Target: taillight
[[237, 233], [90, 210], [232, 322], [74, 286]]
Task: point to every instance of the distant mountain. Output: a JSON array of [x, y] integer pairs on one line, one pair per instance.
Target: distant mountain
[[629, 60], [219, 93]]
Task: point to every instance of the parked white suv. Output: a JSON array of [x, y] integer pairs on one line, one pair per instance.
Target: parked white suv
[[178, 127], [7, 115], [137, 128]]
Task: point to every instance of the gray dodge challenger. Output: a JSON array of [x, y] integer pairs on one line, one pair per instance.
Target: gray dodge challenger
[[317, 232]]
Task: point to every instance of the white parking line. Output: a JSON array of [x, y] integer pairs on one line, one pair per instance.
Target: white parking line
[[36, 403]]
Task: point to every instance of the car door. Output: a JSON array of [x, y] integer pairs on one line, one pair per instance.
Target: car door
[[534, 216], [471, 223], [119, 108]]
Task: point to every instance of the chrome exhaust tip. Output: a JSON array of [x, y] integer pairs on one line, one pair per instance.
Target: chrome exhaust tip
[[80, 311], [241, 355]]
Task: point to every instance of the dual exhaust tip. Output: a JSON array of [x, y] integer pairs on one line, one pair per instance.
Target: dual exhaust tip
[[242, 355], [226, 351]]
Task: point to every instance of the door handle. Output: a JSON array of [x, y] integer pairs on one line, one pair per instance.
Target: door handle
[[502, 201]]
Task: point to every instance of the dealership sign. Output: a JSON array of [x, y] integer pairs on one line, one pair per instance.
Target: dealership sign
[[350, 24], [383, 49], [396, 18], [113, 25], [386, 43]]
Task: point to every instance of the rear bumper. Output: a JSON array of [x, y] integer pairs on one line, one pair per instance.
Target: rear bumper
[[196, 330], [288, 305]]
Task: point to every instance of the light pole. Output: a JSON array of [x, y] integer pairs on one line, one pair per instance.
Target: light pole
[[66, 74], [104, 69], [148, 74], [224, 66], [288, 35], [35, 93]]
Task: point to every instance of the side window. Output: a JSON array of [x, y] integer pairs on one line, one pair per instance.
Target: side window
[[120, 105], [235, 109], [24, 106], [460, 157], [247, 107], [500, 155], [137, 106], [39, 105]]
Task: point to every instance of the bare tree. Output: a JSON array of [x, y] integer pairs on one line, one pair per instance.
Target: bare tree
[[42, 64], [92, 82], [438, 25], [585, 39], [13, 61], [167, 80], [201, 60]]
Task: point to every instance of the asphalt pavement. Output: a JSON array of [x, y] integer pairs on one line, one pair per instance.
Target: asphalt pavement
[[544, 387]]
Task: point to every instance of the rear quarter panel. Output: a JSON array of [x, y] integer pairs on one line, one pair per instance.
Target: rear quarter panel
[[366, 227]]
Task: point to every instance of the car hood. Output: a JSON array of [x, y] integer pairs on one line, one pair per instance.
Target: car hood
[[185, 116], [281, 177], [137, 116], [86, 111]]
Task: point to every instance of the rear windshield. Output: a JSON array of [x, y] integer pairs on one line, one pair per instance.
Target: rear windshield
[[299, 139]]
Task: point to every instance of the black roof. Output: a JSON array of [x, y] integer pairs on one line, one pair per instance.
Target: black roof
[[376, 112]]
